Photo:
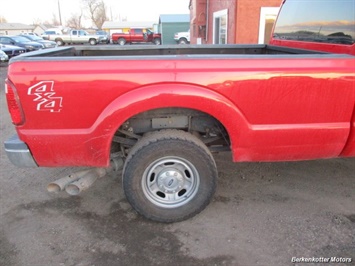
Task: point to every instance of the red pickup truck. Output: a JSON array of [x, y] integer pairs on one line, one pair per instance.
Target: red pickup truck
[[136, 36], [162, 112]]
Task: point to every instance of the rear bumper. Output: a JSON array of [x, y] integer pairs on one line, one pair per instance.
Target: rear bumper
[[18, 152]]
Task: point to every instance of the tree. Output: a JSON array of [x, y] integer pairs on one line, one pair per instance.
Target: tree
[[36, 21], [55, 21], [74, 21], [97, 12]]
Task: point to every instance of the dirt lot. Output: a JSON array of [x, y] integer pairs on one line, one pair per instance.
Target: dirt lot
[[262, 214]]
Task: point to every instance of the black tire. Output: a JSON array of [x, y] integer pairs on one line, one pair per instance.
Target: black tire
[[157, 41], [92, 42], [59, 42], [183, 41], [121, 41], [169, 176]]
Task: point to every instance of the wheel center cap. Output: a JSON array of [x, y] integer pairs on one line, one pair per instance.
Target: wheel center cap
[[170, 181]]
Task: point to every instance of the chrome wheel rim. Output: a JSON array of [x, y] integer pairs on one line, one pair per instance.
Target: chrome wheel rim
[[170, 182]]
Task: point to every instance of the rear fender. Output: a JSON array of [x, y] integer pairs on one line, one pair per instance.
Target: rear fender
[[163, 96], [349, 150]]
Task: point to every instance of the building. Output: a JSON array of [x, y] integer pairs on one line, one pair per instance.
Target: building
[[19, 28], [15, 28], [169, 24], [232, 21]]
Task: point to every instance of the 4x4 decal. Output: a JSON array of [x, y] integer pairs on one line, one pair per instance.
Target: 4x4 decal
[[45, 96]]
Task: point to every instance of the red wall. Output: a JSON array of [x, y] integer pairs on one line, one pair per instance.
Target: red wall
[[243, 19], [214, 6], [248, 18]]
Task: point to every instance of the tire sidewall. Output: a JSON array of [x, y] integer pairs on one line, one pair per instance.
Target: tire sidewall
[[182, 41], [137, 165], [157, 41], [121, 41], [59, 42]]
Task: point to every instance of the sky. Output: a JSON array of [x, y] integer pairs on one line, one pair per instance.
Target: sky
[[32, 11], [337, 16]]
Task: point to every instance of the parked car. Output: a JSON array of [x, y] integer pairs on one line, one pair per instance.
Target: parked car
[[3, 57], [105, 36], [136, 36], [77, 37], [50, 32], [21, 42], [46, 43], [182, 37], [29, 33], [12, 50]]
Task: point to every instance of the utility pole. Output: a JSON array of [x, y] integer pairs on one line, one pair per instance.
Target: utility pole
[[60, 15]]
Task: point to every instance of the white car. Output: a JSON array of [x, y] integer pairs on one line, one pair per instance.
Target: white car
[[182, 37], [3, 57]]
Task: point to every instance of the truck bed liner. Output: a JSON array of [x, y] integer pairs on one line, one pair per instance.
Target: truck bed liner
[[172, 50]]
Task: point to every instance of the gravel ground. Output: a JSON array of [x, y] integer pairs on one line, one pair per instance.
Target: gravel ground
[[262, 214]]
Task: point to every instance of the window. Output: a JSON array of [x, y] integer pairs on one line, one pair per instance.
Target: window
[[220, 27], [267, 18], [330, 21], [5, 40]]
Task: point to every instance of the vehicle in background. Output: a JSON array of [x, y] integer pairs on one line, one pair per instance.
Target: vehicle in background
[[12, 50], [3, 57], [46, 43], [182, 37], [136, 36], [46, 35], [77, 37], [29, 33], [21, 42], [105, 36]]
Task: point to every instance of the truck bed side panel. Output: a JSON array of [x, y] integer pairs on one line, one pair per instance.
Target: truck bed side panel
[[280, 108], [349, 150]]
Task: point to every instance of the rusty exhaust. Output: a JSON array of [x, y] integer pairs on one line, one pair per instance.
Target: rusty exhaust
[[85, 181], [60, 184], [77, 182]]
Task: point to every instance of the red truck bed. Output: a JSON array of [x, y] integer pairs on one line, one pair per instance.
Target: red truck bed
[[161, 113], [275, 103]]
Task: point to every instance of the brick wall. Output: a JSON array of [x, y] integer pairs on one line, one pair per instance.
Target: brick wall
[[248, 18], [243, 19]]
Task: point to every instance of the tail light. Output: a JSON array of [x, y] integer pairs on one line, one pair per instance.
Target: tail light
[[13, 104]]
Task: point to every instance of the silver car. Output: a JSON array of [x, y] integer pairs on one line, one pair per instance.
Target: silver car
[[11, 50], [46, 43], [3, 57]]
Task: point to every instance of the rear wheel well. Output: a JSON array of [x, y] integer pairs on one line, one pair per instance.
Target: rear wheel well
[[92, 41], [202, 125], [183, 40], [59, 41], [121, 41]]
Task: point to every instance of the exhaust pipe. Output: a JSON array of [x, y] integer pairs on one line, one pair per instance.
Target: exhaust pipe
[[60, 184], [85, 181], [82, 180]]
